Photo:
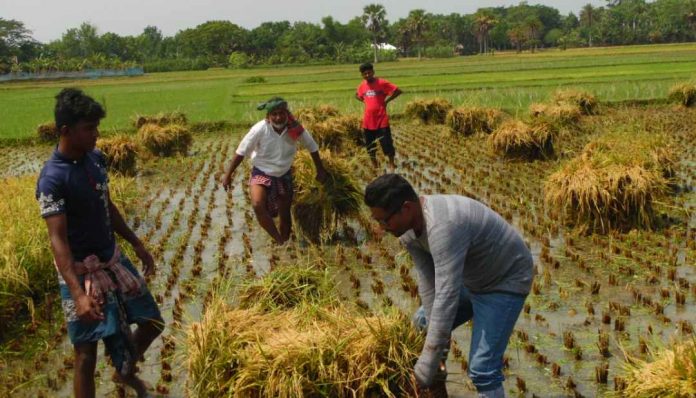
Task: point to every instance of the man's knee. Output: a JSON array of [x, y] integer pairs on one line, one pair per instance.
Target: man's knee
[[259, 206]]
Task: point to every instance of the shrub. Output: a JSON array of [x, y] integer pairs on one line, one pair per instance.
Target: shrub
[[238, 60], [255, 79]]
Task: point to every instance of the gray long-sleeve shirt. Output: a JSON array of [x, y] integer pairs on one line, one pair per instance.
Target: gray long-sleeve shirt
[[463, 243]]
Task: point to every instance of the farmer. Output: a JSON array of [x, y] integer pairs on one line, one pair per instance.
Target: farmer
[[376, 93], [101, 291], [272, 143], [471, 264]]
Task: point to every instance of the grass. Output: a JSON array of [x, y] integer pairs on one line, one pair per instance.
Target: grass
[[506, 80]]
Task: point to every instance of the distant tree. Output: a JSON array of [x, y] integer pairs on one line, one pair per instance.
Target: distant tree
[[533, 28], [150, 42], [374, 19], [417, 24], [587, 19], [517, 37], [483, 23]]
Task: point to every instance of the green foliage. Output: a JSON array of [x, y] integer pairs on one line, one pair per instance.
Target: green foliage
[[238, 60]]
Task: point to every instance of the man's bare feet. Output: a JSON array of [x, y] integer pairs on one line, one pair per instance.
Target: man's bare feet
[[134, 382]]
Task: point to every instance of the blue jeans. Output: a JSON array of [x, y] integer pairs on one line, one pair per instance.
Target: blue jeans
[[494, 316]]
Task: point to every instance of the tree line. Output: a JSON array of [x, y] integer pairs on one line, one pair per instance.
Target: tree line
[[522, 27]]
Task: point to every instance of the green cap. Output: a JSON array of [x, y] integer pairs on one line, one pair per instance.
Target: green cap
[[272, 104]]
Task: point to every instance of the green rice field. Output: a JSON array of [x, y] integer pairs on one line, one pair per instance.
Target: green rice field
[[505, 80]]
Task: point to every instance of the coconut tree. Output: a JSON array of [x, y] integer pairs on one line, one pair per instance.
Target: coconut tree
[[417, 24], [483, 23], [374, 19], [587, 19]]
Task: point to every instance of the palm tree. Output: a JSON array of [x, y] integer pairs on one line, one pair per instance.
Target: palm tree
[[533, 27], [417, 25], [587, 17], [374, 20], [483, 23]]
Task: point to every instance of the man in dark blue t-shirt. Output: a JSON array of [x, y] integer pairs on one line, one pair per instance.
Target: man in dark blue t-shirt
[[101, 291]]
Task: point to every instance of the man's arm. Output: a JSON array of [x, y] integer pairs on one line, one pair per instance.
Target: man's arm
[[86, 307], [226, 178], [448, 246], [397, 92], [423, 263], [359, 98], [121, 228]]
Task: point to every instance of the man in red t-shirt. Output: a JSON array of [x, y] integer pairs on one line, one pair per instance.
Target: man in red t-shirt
[[376, 93]]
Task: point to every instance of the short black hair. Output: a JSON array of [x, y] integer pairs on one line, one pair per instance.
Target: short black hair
[[389, 192], [73, 105], [366, 66]]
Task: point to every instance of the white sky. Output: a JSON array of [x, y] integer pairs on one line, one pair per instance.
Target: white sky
[[49, 19]]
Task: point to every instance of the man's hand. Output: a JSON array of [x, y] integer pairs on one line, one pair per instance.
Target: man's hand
[[322, 175], [226, 181], [88, 309], [146, 258]]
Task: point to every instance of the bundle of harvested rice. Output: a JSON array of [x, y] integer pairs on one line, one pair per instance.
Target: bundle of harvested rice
[[289, 286], [315, 114], [613, 182], [470, 120], [584, 101], [319, 208], [560, 115], [516, 139], [161, 119], [165, 140], [670, 373], [428, 111], [683, 94], [334, 132], [47, 131], [120, 152], [299, 353]]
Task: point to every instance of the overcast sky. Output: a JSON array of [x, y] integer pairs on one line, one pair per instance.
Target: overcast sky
[[49, 19]]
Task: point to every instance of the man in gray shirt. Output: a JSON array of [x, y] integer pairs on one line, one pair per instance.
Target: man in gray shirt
[[471, 264]]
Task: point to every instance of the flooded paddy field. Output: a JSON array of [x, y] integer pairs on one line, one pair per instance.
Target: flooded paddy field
[[596, 296]]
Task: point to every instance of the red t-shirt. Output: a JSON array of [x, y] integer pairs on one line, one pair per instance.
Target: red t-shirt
[[373, 94]]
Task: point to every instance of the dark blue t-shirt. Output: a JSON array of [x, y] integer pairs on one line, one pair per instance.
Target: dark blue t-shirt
[[79, 189]]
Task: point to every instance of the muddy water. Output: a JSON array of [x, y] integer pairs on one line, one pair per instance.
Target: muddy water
[[188, 214]]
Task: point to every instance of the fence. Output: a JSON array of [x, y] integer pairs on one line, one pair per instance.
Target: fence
[[82, 74]]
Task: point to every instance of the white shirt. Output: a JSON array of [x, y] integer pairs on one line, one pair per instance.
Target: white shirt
[[273, 153]]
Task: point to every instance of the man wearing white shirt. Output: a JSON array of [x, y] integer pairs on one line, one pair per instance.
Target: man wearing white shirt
[[272, 143]]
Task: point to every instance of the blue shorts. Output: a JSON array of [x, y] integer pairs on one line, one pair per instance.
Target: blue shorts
[[139, 308]]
